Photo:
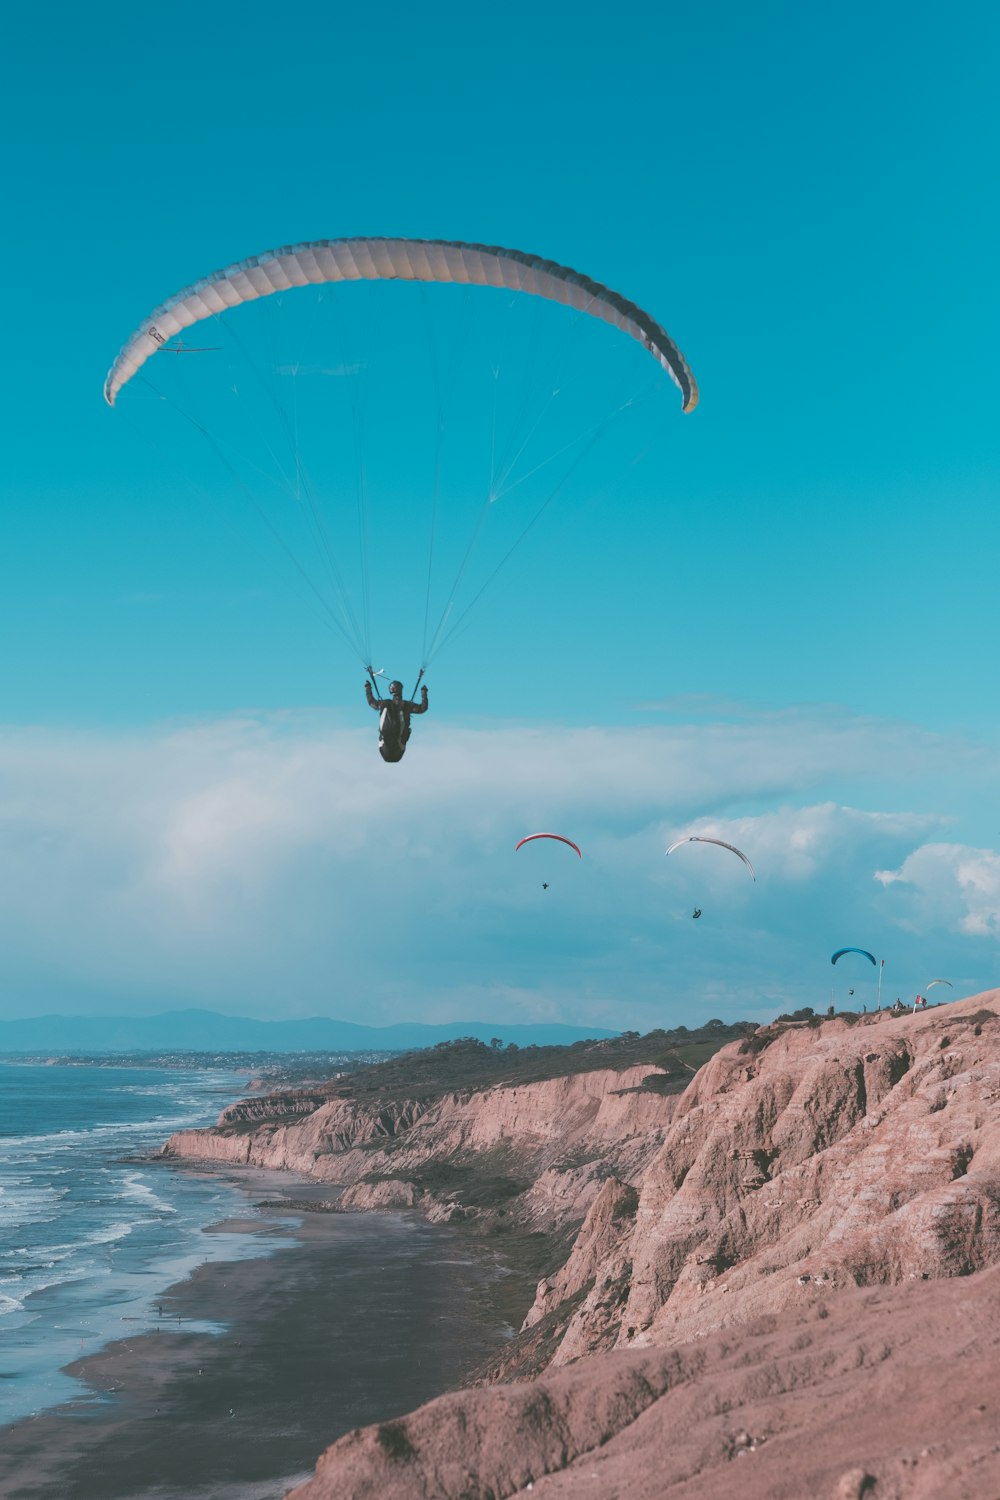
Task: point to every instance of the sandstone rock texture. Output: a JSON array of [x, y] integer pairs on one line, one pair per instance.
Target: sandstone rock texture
[[816, 1160], [559, 1139], [793, 1267], [891, 1395]]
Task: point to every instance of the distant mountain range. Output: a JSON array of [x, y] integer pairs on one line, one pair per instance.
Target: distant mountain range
[[207, 1031]]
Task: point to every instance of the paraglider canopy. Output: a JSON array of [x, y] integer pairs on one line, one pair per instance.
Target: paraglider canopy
[[697, 838], [863, 951], [295, 326], [382, 259], [530, 838]]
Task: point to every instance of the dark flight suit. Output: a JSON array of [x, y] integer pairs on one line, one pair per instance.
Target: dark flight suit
[[394, 721]]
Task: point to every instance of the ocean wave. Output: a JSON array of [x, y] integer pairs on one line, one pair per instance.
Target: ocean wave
[[105, 1234], [68, 1275], [69, 1140], [189, 1112], [25, 1273], [147, 1090], [41, 1257], [86, 1222], [133, 1186], [28, 1202], [28, 1187], [111, 1233]]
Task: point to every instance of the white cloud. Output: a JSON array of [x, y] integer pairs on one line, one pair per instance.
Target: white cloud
[[951, 886], [271, 864], [794, 843]]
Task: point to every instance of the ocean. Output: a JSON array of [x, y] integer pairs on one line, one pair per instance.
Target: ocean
[[90, 1234]]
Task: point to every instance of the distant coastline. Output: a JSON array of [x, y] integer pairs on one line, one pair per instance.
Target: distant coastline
[[202, 1031]]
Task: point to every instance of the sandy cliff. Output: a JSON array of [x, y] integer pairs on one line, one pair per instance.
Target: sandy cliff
[[876, 1395], [794, 1264], [554, 1141], [817, 1159]]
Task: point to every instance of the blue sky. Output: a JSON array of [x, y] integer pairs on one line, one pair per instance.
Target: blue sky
[[787, 607]]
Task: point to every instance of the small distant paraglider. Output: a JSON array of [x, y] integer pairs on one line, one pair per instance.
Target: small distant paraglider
[[920, 1003], [698, 838], [559, 838], [863, 951], [876, 963]]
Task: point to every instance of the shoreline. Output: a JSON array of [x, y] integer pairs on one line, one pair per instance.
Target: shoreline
[[351, 1319]]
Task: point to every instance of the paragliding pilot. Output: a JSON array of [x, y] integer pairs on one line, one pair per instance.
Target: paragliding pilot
[[394, 718]]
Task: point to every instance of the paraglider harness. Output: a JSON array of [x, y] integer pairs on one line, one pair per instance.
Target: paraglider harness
[[393, 717]]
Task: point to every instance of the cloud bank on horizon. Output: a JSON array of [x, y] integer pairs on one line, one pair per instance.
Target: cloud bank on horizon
[[271, 865]]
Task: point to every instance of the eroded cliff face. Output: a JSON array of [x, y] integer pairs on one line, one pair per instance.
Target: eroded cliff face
[[825, 1158], [885, 1394], [554, 1142], [804, 1160], [263, 1133], [801, 1278]]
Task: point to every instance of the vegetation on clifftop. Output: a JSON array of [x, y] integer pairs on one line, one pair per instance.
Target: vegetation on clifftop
[[468, 1065]]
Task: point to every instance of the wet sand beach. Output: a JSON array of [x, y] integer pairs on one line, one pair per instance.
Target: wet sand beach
[[361, 1319]]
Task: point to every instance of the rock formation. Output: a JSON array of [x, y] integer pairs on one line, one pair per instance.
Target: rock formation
[[793, 1264], [816, 1159], [881, 1394], [556, 1139]]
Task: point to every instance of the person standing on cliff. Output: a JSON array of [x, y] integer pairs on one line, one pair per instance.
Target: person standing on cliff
[[394, 718]]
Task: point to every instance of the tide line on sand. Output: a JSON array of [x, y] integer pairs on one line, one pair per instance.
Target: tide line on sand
[[354, 1319]]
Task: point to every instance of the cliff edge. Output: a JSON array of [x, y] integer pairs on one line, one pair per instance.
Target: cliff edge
[[792, 1263]]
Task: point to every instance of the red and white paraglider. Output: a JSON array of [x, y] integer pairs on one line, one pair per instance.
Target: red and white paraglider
[[558, 837]]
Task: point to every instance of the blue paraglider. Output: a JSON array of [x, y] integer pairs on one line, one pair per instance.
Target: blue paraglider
[[863, 951]]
